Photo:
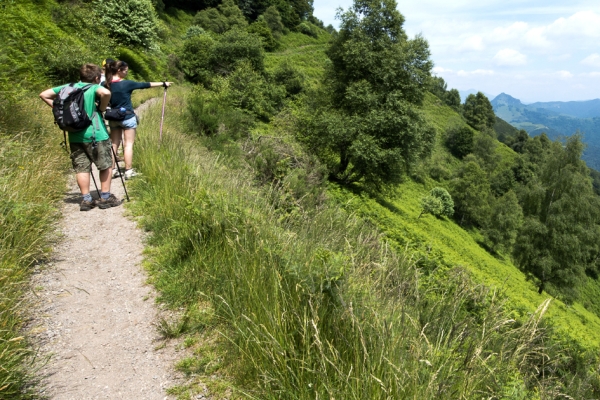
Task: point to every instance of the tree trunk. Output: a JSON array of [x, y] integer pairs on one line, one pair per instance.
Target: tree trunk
[[541, 288], [344, 162]]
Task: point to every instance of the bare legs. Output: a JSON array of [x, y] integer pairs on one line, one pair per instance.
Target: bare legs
[[83, 181], [128, 147], [129, 139]]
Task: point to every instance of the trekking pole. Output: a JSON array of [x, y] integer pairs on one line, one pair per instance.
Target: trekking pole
[[162, 118], [119, 169], [94, 180]]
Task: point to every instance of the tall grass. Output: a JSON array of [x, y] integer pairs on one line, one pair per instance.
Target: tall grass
[[315, 304], [32, 181]]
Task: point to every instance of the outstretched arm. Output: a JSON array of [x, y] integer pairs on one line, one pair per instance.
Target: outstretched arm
[[48, 96], [157, 84]]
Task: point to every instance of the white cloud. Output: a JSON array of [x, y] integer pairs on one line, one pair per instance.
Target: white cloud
[[561, 75], [592, 60], [472, 43], [582, 23], [511, 32], [477, 72], [441, 70], [509, 57]]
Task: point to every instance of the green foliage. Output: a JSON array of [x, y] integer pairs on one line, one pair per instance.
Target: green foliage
[[470, 190], [248, 90], [560, 236], [459, 140], [370, 129], [209, 113], [438, 203], [506, 218], [290, 77], [32, 182], [308, 29], [261, 29], [273, 19], [196, 57], [235, 46], [225, 17], [203, 57], [478, 112], [132, 23]]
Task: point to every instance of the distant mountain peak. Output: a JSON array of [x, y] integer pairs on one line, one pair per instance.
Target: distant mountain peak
[[507, 100]]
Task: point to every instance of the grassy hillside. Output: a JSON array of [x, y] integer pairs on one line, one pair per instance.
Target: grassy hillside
[[283, 285]]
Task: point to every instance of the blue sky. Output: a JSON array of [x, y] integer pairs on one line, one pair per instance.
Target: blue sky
[[533, 50]]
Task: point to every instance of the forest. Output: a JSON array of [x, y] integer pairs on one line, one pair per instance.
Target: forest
[[365, 234]]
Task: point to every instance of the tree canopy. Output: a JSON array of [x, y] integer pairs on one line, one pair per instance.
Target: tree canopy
[[371, 128]]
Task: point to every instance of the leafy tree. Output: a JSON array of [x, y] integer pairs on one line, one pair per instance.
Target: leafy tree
[[470, 190], [505, 219], [132, 22], [560, 236], [452, 99], [370, 129], [438, 203], [478, 112], [261, 29], [459, 140], [519, 141], [273, 19], [196, 57], [290, 77], [484, 148], [202, 57], [221, 19], [438, 87], [236, 46]]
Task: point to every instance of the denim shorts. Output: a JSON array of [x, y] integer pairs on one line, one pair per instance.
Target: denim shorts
[[84, 154], [129, 123]]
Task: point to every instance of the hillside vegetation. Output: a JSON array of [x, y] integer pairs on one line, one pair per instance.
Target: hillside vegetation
[[325, 219]]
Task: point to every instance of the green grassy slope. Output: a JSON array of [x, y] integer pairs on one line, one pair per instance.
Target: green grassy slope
[[304, 52], [447, 244]]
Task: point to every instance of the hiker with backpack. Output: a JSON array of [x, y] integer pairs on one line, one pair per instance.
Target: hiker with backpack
[[121, 116], [75, 111]]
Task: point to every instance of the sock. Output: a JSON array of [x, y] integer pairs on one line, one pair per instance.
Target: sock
[[87, 197], [105, 195]]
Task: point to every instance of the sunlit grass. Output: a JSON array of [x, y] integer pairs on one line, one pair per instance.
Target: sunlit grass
[[315, 304], [32, 181]]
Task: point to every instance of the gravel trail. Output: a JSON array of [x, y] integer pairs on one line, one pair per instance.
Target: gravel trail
[[96, 317]]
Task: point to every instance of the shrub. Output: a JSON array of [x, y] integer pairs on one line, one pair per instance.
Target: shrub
[[437, 203], [459, 140], [251, 92], [273, 19], [227, 16], [131, 22], [208, 113], [236, 46], [195, 59], [290, 77], [261, 29], [308, 29]]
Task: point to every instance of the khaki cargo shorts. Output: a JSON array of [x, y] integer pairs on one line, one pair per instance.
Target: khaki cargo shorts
[[83, 155]]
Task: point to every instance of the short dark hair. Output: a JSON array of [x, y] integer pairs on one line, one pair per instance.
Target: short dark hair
[[89, 72]]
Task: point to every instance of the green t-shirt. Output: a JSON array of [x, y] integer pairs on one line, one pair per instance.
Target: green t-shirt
[[97, 126]]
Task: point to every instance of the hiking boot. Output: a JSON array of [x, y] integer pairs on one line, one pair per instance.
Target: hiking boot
[[130, 173], [112, 201], [115, 172], [87, 205]]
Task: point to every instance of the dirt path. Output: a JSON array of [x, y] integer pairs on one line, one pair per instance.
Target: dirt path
[[97, 316]]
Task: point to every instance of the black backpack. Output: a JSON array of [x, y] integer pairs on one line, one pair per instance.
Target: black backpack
[[68, 110]]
